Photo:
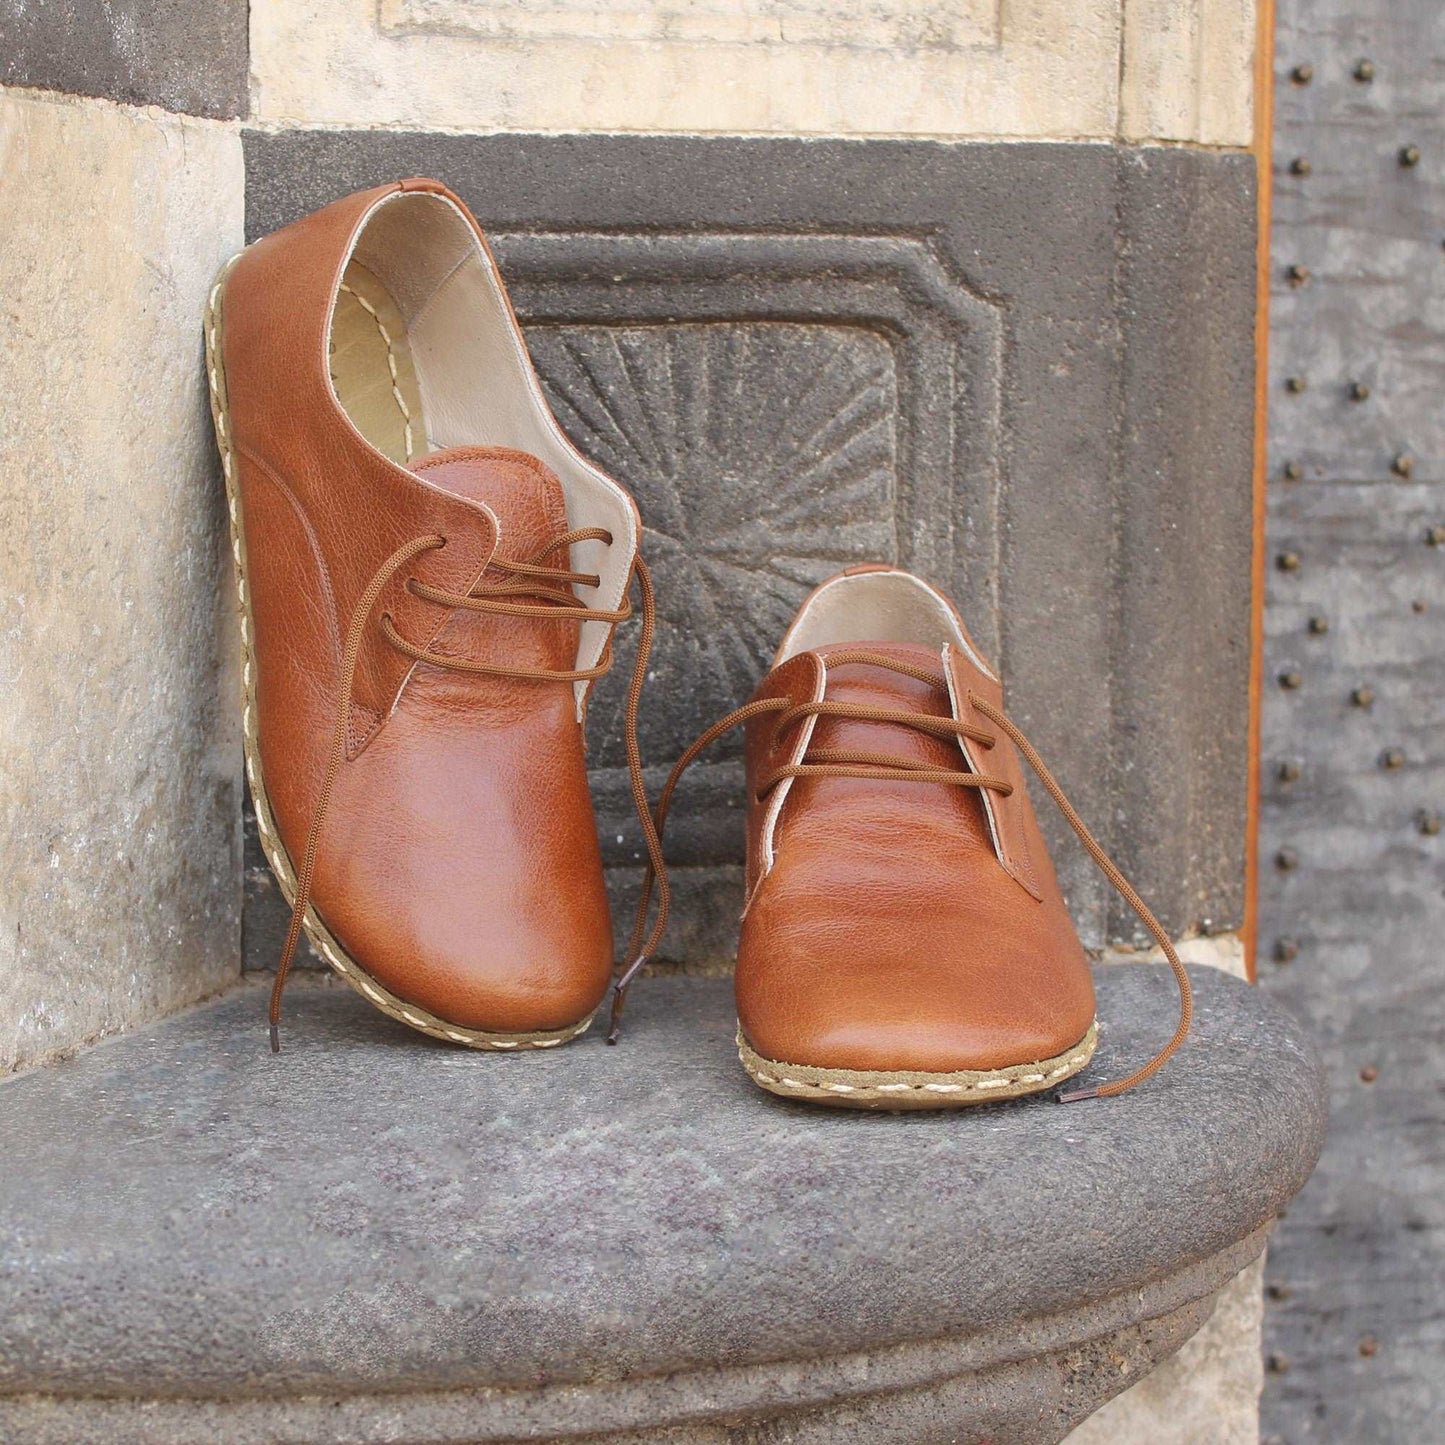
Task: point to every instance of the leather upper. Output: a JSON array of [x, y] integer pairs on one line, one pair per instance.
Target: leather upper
[[459, 864], [900, 925]]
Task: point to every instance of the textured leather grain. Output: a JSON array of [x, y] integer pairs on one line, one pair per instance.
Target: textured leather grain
[[902, 925], [460, 865]]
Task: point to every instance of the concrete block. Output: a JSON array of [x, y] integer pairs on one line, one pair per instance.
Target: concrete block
[[119, 747]]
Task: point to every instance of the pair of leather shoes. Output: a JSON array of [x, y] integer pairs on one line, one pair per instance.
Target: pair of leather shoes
[[430, 576]]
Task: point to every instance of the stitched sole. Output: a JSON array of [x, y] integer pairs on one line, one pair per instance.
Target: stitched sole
[[909, 1089], [276, 854]]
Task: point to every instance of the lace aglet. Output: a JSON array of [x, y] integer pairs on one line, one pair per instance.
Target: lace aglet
[[1072, 1096], [614, 1021], [619, 996], [275, 1038]]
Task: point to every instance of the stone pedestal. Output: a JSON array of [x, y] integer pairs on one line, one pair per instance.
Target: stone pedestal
[[372, 1237]]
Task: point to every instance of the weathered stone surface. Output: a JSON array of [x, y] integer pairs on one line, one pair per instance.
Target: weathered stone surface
[[1207, 1394], [119, 749], [902, 1397], [985, 362], [185, 1215], [1186, 305], [186, 55], [1351, 932], [946, 68], [1186, 71]]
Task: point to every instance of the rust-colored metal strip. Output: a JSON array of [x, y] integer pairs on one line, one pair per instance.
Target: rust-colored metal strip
[[1263, 159]]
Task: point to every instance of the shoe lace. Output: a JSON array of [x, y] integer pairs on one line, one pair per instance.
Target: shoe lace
[[848, 763], [528, 588]]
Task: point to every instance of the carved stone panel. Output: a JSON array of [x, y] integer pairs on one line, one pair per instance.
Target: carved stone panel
[[782, 407], [763, 456], [939, 67], [983, 362]]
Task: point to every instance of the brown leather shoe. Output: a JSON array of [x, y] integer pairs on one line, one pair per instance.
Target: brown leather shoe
[[429, 577], [905, 943]]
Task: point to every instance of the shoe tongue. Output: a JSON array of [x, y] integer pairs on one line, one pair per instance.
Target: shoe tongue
[[861, 682], [523, 495], [959, 810], [885, 687], [526, 499]]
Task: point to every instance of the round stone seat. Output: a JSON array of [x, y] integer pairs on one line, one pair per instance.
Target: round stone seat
[[375, 1237]]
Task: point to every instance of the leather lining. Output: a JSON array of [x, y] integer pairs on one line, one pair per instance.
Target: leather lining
[[475, 382], [879, 605], [371, 367]]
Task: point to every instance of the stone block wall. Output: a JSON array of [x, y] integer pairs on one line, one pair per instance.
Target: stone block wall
[[1136, 70], [1011, 246], [120, 790]]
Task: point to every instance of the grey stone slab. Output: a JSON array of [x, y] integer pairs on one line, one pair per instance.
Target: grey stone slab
[[1020, 369], [186, 55], [1355, 1314], [184, 1214], [1183, 544]]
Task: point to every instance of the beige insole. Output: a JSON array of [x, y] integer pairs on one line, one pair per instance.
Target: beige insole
[[372, 368]]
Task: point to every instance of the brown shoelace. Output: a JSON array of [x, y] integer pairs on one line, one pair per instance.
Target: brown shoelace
[[844, 763], [526, 589]]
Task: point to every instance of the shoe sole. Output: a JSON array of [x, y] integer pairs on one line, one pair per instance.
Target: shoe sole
[[276, 855], [912, 1089]]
